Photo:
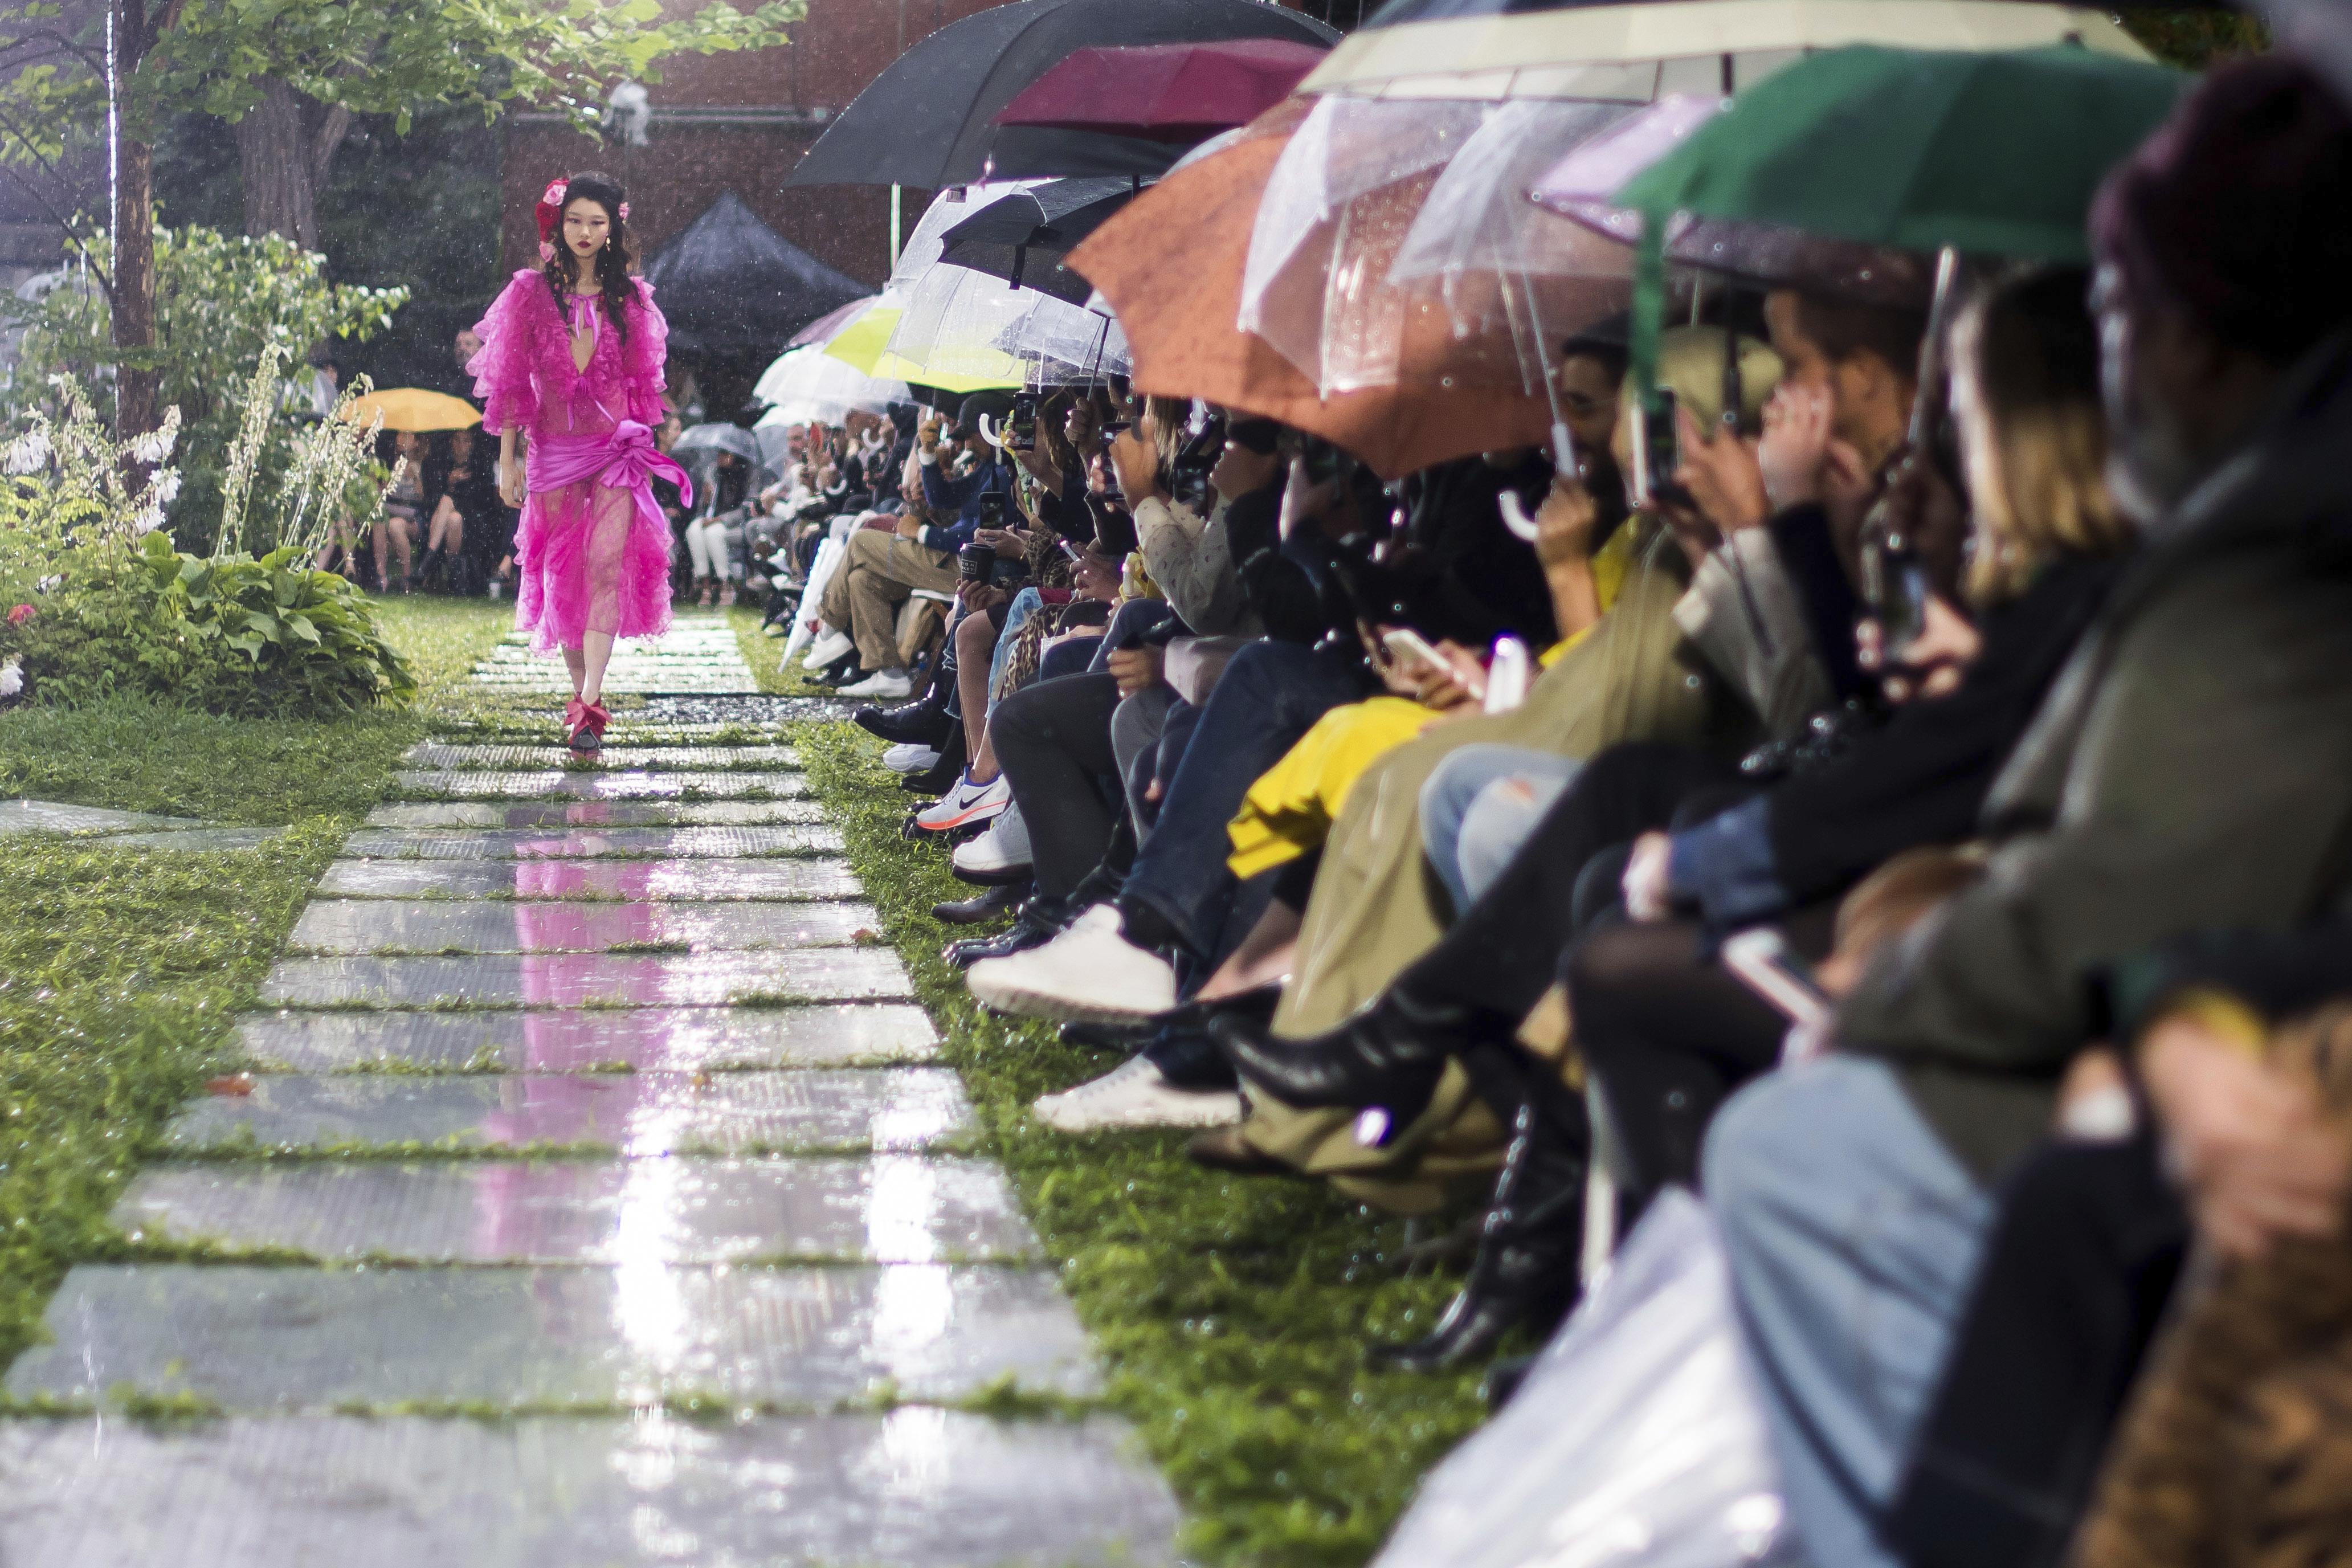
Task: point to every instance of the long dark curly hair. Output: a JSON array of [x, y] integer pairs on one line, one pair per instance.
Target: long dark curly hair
[[614, 267]]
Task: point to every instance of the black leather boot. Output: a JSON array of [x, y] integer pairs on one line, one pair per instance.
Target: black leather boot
[[1390, 1055], [1528, 1250], [990, 903], [941, 776], [1037, 922], [923, 723]]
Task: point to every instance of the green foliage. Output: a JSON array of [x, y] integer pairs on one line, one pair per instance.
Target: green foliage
[[2194, 40], [1234, 1312], [223, 302], [232, 636]]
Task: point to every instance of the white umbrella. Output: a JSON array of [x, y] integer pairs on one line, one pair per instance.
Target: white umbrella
[[807, 385]]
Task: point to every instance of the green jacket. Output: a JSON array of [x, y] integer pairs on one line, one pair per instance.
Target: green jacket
[[2191, 768]]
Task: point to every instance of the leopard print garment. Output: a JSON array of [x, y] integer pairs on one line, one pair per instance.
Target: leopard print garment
[[2236, 1451]]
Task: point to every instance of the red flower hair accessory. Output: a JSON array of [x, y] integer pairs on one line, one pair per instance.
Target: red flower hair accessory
[[549, 212]]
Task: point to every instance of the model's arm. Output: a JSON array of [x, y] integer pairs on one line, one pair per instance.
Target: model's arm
[[510, 480]]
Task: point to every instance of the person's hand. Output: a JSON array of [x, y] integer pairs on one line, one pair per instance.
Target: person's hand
[[1794, 451], [1931, 664], [1032, 459], [2260, 1162], [1135, 668], [1647, 886], [1136, 463], [927, 436], [1239, 471], [979, 596], [1564, 524], [1003, 541], [1095, 575], [1695, 533], [1456, 688], [1098, 474], [1719, 472], [512, 489], [909, 526]]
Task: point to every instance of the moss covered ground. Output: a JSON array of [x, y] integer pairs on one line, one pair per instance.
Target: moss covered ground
[[121, 968], [1233, 1312]]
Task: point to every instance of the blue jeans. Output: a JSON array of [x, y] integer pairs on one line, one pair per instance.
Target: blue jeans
[[1471, 828], [1025, 604], [1853, 1236], [1268, 697]]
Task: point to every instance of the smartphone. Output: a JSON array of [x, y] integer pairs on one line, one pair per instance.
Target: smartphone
[[1895, 587], [1657, 450], [1021, 432], [1764, 962], [1404, 642]]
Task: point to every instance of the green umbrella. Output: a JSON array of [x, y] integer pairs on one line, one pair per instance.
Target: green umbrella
[[1987, 154]]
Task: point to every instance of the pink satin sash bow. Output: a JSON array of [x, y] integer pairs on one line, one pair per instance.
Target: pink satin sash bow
[[626, 459]]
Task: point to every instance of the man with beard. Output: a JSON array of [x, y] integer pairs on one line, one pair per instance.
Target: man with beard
[[2191, 768]]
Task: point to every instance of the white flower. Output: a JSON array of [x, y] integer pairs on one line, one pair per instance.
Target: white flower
[[28, 453], [48, 585], [11, 677], [155, 446], [147, 519], [167, 487]]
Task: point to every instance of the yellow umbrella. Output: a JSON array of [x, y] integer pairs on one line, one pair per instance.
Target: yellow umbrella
[[864, 345], [414, 409], [1636, 53], [860, 344]]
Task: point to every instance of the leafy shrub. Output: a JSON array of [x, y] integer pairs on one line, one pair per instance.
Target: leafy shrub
[[238, 635]]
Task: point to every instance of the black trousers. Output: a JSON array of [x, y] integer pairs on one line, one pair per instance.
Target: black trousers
[[1052, 740], [1502, 954], [2084, 1256]]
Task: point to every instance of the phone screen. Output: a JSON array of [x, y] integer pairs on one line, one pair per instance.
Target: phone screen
[[1022, 433], [1657, 450]]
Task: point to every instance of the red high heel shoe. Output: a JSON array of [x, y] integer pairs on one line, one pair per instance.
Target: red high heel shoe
[[584, 726]]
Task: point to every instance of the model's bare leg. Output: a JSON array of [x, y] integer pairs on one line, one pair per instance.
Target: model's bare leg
[[614, 515], [576, 661], [975, 641], [596, 652]]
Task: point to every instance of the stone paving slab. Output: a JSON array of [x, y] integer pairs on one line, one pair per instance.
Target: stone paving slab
[[755, 759], [587, 785], [572, 980], [589, 843], [646, 1040], [196, 840], [443, 925], [641, 1114], [596, 814], [916, 1488], [59, 816], [890, 1208], [625, 881], [312, 1340]]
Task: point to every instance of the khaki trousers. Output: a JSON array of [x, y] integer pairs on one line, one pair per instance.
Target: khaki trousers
[[864, 597]]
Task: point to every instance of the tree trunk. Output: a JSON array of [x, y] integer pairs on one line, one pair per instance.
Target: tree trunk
[[273, 151], [133, 300]]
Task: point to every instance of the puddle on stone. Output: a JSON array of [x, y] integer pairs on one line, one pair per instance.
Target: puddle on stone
[[641, 1115], [574, 979], [561, 784], [915, 1489], [460, 755], [586, 843], [299, 1339], [627, 881], [438, 925], [685, 1039], [597, 814]]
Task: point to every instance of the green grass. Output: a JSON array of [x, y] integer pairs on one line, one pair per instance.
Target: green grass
[[1233, 1311], [761, 653], [120, 969]]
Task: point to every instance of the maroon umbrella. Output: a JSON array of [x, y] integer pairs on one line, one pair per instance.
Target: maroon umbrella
[[1164, 92]]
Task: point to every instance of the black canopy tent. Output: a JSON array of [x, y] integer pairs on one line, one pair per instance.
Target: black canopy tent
[[732, 287]]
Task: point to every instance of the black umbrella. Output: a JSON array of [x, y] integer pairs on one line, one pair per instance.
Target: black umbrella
[[729, 284], [1022, 237], [924, 121]]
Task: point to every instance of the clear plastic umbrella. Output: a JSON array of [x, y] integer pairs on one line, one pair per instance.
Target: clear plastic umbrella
[[952, 318], [1065, 345], [808, 384], [950, 207]]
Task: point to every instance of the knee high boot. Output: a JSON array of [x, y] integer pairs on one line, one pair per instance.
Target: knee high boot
[[1531, 1242]]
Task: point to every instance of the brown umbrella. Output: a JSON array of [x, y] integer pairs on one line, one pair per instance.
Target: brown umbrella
[[1171, 264]]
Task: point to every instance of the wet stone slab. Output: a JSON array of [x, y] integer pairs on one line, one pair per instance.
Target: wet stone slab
[[916, 1488], [705, 759], [456, 784], [58, 817], [642, 1115], [647, 1039], [439, 925], [572, 980], [597, 814], [889, 1209], [309, 1340], [589, 843], [196, 840], [623, 880]]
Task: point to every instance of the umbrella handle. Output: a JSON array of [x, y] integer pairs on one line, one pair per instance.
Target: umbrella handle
[[988, 433], [1514, 516]]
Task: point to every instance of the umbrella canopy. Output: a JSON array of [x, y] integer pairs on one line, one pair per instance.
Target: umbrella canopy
[[823, 331], [718, 438], [412, 408], [1643, 51], [807, 385], [1165, 93], [1022, 237], [729, 283], [1172, 263], [927, 119], [1993, 153]]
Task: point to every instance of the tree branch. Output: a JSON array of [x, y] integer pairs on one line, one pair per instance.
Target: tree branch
[[326, 139], [73, 225]]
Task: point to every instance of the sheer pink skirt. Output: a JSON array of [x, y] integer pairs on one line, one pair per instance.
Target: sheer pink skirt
[[588, 559]]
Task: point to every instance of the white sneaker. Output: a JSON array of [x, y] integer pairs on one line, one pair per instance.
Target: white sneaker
[[912, 757], [1089, 975], [887, 684], [1137, 1094], [830, 649], [1000, 855], [966, 805]]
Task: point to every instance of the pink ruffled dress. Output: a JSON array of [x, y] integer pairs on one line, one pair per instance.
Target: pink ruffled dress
[[593, 551]]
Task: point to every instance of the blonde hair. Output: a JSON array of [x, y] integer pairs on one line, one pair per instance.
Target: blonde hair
[[2028, 351], [1690, 366]]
